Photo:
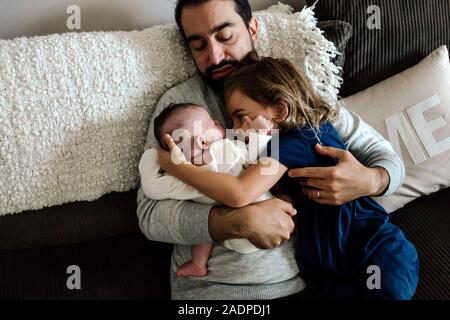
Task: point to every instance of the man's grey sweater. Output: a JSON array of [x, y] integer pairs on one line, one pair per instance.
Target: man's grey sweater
[[265, 274]]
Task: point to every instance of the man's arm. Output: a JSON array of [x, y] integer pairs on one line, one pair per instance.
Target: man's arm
[[173, 221], [371, 149], [266, 224], [370, 167]]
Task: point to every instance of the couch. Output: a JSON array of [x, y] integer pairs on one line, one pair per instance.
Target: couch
[[103, 236]]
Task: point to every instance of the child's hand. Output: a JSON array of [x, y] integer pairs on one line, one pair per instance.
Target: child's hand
[[261, 124], [169, 160]]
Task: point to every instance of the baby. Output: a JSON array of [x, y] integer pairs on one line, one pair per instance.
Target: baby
[[203, 141]]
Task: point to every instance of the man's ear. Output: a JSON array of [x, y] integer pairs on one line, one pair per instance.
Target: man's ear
[[201, 142], [253, 28]]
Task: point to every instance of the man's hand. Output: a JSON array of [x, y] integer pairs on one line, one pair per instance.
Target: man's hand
[[346, 181], [266, 224]]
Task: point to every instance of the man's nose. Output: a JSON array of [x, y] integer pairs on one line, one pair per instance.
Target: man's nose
[[216, 53]]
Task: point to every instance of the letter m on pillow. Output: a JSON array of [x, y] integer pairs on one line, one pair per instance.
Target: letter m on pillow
[[398, 126]]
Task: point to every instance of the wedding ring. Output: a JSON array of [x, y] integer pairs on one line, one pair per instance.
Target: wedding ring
[[318, 194]]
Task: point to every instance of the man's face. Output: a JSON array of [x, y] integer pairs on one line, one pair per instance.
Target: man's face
[[217, 37]]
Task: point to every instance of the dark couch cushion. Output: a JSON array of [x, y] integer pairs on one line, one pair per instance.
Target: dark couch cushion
[[122, 267], [426, 223], [338, 32], [132, 267], [410, 30], [110, 215]]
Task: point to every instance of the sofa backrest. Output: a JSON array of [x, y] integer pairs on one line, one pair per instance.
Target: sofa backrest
[[75, 107]]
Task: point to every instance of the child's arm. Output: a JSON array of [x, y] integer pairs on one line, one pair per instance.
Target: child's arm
[[232, 191], [257, 143], [258, 137]]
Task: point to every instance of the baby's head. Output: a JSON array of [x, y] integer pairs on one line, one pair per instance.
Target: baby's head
[[277, 90], [188, 121]]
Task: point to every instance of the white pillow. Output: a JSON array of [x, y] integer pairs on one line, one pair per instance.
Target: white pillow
[[412, 111], [75, 108]]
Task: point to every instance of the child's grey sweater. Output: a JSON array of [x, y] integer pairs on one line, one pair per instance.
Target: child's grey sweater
[[265, 274]]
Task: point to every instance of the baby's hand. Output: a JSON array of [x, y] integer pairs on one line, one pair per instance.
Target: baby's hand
[[261, 124], [168, 160]]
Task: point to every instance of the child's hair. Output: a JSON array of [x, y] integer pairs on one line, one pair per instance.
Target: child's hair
[[162, 118], [270, 81]]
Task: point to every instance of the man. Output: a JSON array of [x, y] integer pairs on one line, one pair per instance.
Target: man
[[219, 33]]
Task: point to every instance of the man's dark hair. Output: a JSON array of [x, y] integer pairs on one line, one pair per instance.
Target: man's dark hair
[[162, 118], [243, 8]]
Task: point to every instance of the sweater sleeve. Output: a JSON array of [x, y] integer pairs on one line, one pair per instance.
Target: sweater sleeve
[[369, 147], [173, 221]]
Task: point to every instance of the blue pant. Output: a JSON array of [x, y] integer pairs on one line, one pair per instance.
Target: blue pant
[[353, 251]]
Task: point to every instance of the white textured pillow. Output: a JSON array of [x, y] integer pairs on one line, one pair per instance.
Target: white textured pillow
[[75, 108], [412, 110]]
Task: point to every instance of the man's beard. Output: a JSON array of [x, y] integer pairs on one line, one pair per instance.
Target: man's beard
[[217, 84]]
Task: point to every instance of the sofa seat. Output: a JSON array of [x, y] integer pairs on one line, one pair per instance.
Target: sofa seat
[[128, 266]]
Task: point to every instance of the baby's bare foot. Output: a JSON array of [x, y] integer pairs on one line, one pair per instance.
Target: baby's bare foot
[[192, 270]]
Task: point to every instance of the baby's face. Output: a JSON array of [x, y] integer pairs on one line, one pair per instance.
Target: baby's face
[[203, 130]]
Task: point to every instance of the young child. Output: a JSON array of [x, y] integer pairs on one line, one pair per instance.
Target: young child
[[336, 245], [206, 146]]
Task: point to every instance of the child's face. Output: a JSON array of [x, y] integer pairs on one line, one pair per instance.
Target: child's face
[[239, 105]]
